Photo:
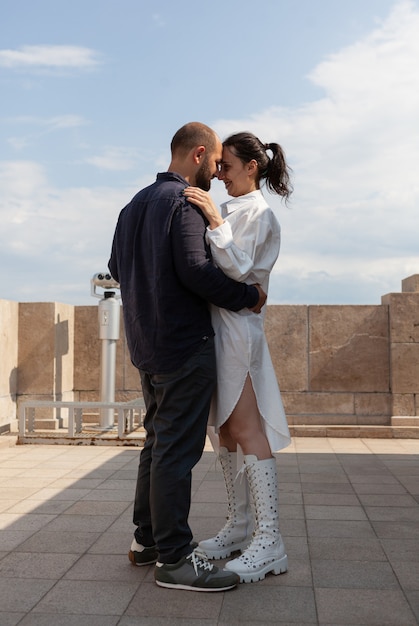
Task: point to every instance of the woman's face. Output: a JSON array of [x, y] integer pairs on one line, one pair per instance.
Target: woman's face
[[238, 177]]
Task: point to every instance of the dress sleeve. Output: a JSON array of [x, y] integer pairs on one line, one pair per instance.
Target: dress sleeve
[[245, 245]]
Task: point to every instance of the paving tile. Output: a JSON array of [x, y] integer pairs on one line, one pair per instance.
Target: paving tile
[[396, 530], [10, 493], [413, 599], [87, 597], [293, 527], [387, 500], [105, 567], [113, 543], [12, 539], [401, 549], [58, 494], [68, 542], [376, 607], [50, 507], [332, 487], [393, 513], [344, 548], [325, 477], [17, 521], [162, 621], [109, 495], [6, 505], [408, 574], [289, 497], [339, 528], [35, 565], [351, 513], [353, 574], [296, 547], [90, 507], [376, 488], [10, 619], [292, 604], [331, 499], [57, 619], [379, 479], [22, 597], [75, 523]]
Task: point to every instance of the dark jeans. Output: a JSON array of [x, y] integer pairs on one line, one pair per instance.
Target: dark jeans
[[176, 420]]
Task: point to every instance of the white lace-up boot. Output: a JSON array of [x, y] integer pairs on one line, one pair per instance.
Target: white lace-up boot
[[237, 532], [266, 553]]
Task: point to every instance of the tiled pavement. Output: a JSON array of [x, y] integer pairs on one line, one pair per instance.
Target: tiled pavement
[[350, 519]]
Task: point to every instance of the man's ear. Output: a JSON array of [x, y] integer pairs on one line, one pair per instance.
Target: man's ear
[[198, 154]]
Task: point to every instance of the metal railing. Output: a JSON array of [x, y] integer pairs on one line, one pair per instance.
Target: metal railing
[[128, 417]]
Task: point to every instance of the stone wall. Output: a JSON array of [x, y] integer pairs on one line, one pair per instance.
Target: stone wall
[[336, 365], [9, 312]]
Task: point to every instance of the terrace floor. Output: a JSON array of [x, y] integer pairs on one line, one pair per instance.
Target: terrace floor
[[349, 517]]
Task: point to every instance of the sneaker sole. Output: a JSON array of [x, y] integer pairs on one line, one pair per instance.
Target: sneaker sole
[[191, 588]]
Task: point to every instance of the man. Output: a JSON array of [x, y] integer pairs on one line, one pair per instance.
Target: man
[[163, 265]]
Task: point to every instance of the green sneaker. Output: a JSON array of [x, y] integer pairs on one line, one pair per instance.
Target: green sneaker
[[194, 573]]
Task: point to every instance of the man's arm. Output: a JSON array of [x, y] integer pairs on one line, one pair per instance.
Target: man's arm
[[198, 273]]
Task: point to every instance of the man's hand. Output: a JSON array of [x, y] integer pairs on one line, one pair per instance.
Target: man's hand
[[262, 299]]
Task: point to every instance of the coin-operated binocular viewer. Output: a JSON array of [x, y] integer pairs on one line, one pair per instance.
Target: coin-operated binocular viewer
[[109, 316]]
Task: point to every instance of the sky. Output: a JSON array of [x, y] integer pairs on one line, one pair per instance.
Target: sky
[[92, 91]]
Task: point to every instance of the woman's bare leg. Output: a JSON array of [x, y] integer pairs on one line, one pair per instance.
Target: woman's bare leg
[[244, 426]]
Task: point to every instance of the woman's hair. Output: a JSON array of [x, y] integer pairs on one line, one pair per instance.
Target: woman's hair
[[274, 171]]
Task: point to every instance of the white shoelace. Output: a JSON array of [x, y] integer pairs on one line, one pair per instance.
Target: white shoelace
[[199, 560]]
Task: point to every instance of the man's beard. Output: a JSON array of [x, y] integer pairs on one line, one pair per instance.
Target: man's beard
[[203, 176]]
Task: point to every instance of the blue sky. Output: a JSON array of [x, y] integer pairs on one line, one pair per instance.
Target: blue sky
[[93, 91]]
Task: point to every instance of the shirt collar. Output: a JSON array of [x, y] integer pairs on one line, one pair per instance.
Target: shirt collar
[[240, 201]]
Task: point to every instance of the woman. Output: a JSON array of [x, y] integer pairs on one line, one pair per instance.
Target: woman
[[247, 409]]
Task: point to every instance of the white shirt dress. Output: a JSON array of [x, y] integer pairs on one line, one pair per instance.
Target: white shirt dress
[[246, 247]]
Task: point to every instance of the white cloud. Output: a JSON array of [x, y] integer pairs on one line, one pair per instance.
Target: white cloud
[[114, 158], [53, 239], [354, 154], [49, 56]]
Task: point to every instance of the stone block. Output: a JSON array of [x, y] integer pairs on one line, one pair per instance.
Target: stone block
[[403, 404], [87, 349], [36, 354], [405, 368], [325, 420], [411, 283], [8, 347], [8, 363], [45, 353], [286, 333], [318, 403], [64, 351], [373, 404], [348, 348], [404, 317]]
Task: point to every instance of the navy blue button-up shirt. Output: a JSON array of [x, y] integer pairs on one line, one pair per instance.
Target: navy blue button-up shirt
[[164, 268]]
